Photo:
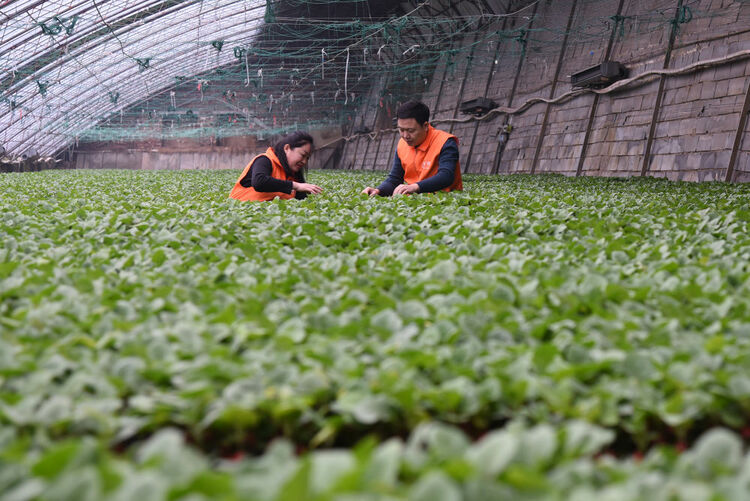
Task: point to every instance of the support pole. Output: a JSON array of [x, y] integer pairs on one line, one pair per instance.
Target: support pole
[[487, 88], [595, 103], [436, 106], [467, 69], [469, 64], [378, 135], [738, 137], [374, 124], [545, 121], [524, 41], [646, 161], [356, 149]]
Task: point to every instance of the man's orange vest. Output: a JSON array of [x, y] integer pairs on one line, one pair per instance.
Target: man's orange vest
[[421, 162], [243, 194]]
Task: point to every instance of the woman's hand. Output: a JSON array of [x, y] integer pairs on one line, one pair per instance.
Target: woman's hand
[[307, 188], [370, 191]]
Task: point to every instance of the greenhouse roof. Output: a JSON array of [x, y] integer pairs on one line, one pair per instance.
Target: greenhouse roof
[[111, 70], [65, 63]]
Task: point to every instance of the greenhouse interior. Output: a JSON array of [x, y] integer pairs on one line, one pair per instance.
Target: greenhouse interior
[[500, 255]]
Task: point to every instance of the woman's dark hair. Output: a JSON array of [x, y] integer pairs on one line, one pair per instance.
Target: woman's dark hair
[[294, 140], [414, 109]]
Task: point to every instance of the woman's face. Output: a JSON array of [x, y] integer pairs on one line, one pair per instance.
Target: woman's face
[[297, 157]]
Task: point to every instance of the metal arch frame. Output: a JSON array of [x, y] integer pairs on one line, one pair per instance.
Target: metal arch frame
[[82, 52], [100, 9], [81, 34], [133, 74], [199, 61], [56, 133], [128, 99], [47, 69], [100, 59]]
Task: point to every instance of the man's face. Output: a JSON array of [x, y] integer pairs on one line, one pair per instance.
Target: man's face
[[411, 132]]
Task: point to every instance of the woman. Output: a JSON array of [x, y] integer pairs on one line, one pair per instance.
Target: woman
[[277, 172]]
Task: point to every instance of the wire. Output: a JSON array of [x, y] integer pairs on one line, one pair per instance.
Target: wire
[[640, 78]]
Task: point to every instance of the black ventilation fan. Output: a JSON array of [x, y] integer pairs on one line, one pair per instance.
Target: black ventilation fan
[[478, 107], [600, 75]]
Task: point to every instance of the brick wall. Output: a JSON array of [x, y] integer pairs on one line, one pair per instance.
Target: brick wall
[[691, 135], [171, 154]]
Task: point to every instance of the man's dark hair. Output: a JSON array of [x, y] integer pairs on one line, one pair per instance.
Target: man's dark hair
[[414, 109], [294, 140]]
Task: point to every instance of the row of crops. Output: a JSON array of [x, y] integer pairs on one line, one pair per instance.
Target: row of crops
[[528, 338]]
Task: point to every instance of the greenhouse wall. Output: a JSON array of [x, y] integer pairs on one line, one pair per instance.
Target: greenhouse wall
[[683, 123], [191, 153]]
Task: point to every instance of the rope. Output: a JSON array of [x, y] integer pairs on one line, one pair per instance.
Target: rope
[[736, 56]]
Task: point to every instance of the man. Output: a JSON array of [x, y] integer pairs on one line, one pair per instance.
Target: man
[[426, 158]]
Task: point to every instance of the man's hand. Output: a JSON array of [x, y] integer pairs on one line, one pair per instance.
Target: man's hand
[[307, 188], [406, 189], [371, 191]]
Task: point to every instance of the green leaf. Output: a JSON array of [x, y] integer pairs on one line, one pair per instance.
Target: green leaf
[[385, 463], [293, 329], [544, 355], [435, 441], [435, 486], [718, 451], [366, 409], [584, 439], [298, 486], [494, 452], [83, 485], [538, 445], [27, 491], [145, 486], [387, 320], [213, 485], [56, 460], [328, 467]]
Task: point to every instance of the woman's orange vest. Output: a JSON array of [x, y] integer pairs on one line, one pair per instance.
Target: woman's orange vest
[[421, 162], [243, 194]]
